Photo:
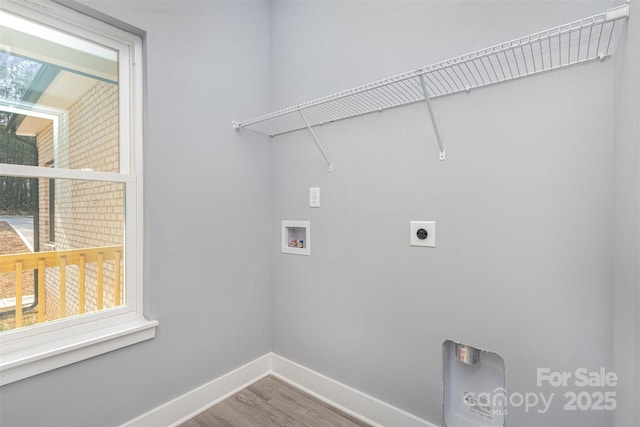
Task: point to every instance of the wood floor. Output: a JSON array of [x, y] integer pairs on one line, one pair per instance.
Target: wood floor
[[272, 402]]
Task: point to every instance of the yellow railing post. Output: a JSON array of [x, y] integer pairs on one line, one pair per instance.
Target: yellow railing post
[[116, 285], [100, 284], [41, 300], [18, 294], [63, 287], [81, 284]]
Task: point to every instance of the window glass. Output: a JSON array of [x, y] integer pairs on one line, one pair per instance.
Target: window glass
[[82, 268], [60, 91], [59, 109], [16, 76]]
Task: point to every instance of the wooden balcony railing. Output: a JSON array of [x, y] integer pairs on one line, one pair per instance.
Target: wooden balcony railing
[[19, 263]]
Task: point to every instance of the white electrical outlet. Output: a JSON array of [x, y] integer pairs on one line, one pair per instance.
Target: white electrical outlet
[[314, 197], [422, 233]]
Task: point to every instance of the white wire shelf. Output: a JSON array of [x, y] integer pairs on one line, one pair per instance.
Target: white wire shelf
[[577, 42]]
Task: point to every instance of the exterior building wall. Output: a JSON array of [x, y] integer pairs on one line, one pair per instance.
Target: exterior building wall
[[86, 213]]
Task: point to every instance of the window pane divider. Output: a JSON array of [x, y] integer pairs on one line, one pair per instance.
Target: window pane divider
[[59, 173]]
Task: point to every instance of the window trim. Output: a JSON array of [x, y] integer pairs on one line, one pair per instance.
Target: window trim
[[30, 351]]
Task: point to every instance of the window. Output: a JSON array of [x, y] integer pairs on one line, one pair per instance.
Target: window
[[70, 94]]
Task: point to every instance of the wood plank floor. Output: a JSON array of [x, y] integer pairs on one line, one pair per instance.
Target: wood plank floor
[[272, 402]]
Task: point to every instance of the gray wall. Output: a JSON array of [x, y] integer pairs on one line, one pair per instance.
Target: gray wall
[[627, 220], [206, 207], [522, 266], [523, 204]]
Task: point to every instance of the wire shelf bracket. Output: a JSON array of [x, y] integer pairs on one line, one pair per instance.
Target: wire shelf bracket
[[577, 42], [427, 102], [315, 138]]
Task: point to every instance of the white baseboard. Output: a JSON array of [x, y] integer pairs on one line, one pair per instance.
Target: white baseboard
[[197, 400], [353, 402], [347, 399]]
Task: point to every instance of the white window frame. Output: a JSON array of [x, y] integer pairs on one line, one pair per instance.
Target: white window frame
[[36, 349]]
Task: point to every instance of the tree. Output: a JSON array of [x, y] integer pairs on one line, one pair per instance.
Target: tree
[[16, 194], [16, 74]]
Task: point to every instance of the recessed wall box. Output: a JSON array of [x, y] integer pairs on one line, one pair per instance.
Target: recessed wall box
[[467, 354], [473, 386], [296, 237]]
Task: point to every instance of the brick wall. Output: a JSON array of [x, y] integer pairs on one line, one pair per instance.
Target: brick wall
[[87, 213]]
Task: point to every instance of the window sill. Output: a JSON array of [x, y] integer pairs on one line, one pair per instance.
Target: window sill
[[20, 364]]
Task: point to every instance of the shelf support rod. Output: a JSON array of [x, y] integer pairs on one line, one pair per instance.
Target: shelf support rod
[[433, 118], [315, 138]]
